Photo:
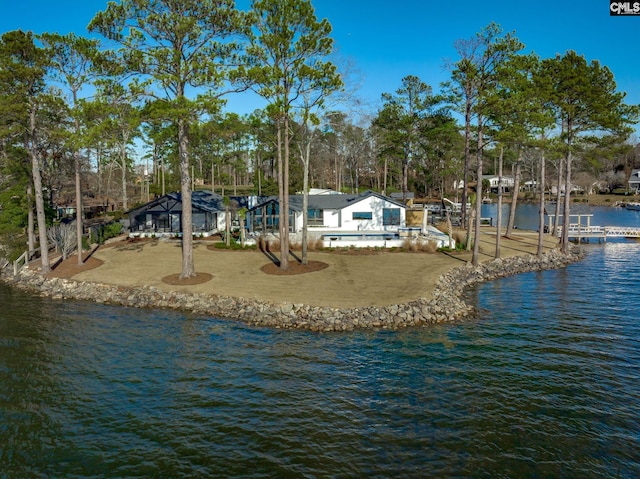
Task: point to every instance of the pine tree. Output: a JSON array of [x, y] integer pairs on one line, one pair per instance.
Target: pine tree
[[289, 50], [178, 46]]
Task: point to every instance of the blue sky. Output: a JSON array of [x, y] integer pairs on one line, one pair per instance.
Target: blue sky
[[388, 40]]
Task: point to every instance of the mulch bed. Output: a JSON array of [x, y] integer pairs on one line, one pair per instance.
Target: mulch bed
[[294, 268], [69, 267]]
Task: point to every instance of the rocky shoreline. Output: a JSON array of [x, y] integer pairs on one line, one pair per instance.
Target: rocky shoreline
[[446, 305]]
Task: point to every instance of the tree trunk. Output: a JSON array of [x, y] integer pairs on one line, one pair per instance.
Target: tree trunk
[[123, 165], [567, 202], [405, 179], [556, 223], [384, 177], [542, 208], [31, 239], [306, 156], [188, 268], [37, 187], [227, 224], [499, 213], [78, 178], [476, 239], [514, 196], [283, 255], [465, 168], [284, 212], [79, 210]]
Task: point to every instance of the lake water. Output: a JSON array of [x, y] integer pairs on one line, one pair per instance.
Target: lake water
[[546, 383]]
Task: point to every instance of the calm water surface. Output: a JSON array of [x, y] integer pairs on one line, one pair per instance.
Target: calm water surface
[[545, 384]]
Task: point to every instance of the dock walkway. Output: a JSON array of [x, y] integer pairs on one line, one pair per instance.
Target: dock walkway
[[578, 231]]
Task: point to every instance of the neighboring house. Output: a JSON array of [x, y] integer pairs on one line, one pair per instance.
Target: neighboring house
[[368, 211], [634, 181], [574, 189], [163, 216], [507, 182]]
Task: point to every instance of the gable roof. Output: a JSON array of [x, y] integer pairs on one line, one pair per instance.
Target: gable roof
[[200, 200], [327, 202], [635, 176]]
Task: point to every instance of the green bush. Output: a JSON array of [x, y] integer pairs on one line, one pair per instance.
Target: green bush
[[234, 245], [104, 232], [111, 230]]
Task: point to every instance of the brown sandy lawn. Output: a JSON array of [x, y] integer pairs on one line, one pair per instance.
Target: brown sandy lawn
[[341, 278], [68, 268]]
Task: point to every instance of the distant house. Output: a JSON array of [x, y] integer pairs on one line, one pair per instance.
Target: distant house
[[634, 181], [163, 215], [574, 189], [507, 182], [368, 211]]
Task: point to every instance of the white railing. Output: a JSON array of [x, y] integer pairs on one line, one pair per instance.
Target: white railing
[[576, 230], [20, 262], [623, 231]]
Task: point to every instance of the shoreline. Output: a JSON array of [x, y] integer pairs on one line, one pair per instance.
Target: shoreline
[[446, 303]]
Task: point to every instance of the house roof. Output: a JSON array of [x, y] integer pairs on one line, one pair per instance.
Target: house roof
[[327, 202], [212, 202], [635, 176], [200, 200]]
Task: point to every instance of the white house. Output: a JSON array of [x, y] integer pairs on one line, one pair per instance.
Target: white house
[[368, 211], [634, 181], [507, 182], [574, 189]]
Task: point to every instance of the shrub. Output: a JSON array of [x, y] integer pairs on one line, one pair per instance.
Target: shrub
[[409, 245], [460, 238], [234, 245], [414, 246], [429, 247], [315, 244], [112, 230]]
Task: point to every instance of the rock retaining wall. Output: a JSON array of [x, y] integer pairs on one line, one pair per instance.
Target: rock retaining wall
[[446, 305]]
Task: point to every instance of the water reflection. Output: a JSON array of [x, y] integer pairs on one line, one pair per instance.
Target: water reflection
[[544, 383]]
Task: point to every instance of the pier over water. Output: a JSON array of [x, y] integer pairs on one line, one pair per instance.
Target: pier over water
[[580, 228]]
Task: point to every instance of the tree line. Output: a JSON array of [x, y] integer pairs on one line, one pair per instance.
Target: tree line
[[137, 110]]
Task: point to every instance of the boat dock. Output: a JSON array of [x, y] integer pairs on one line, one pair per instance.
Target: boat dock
[[579, 230]]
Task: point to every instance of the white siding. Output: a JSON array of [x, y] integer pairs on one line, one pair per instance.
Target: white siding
[[374, 205]]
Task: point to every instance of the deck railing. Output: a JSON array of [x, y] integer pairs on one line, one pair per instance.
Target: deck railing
[[20, 262]]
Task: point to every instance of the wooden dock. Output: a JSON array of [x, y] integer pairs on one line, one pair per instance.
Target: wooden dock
[[600, 232], [585, 231]]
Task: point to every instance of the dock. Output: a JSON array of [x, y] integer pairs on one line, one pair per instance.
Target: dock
[[584, 231]]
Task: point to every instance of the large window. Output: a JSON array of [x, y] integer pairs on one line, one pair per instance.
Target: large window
[[315, 217], [362, 215], [391, 216]]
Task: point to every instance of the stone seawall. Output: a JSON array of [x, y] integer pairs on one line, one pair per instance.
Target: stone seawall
[[446, 305]]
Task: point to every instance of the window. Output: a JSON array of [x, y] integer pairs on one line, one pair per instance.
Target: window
[[315, 217], [391, 216], [362, 215]]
